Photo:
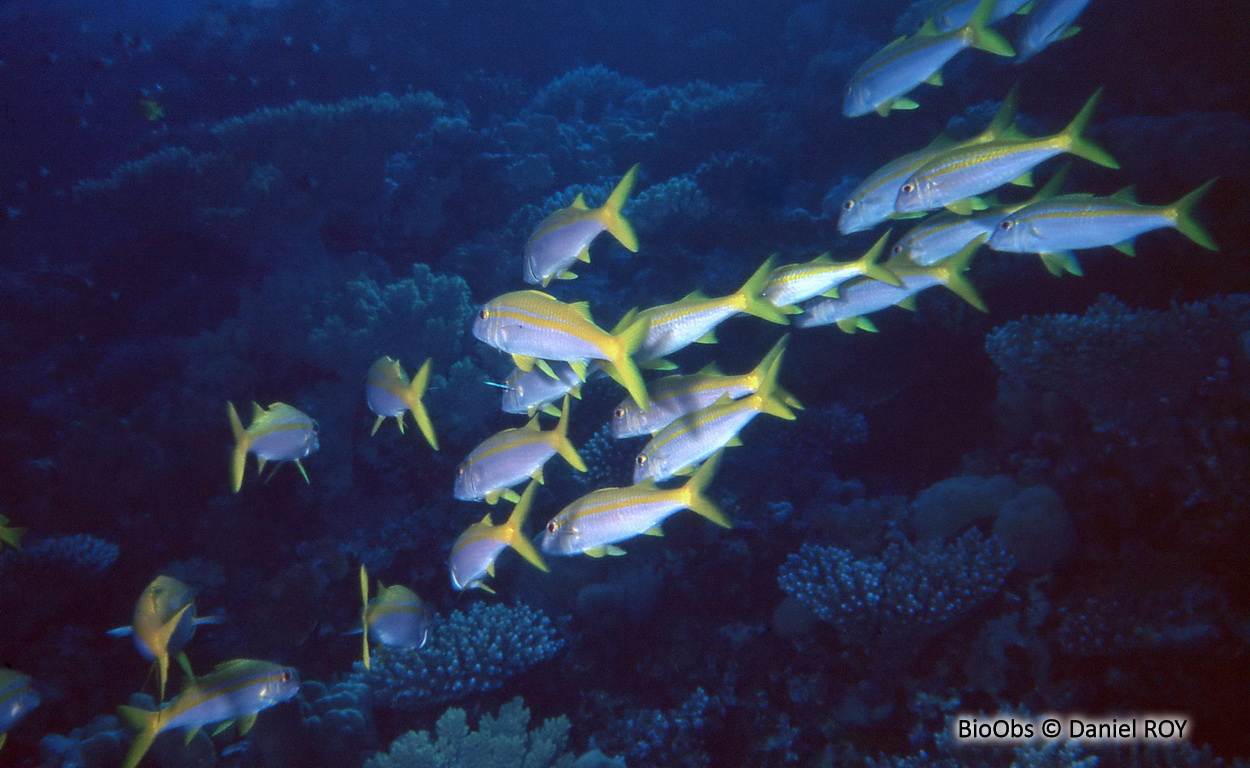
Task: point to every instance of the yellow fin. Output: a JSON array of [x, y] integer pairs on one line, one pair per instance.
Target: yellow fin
[[935, 78], [584, 255], [654, 531], [611, 216]]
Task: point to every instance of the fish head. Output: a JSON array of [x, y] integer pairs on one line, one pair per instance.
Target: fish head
[[854, 216], [648, 465], [626, 419], [283, 685], [1009, 233], [560, 537], [914, 195], [488, 326], [468, 482], [857, 100]]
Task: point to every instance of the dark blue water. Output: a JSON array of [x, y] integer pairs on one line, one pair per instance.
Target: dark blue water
[[1038, 509]]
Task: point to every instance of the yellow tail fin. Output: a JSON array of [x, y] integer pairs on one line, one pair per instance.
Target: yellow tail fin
[[772, 399], [364, 616], [415, 392], [751, 296], [1182, 215], [620, 364], [611, 214], [693, 492], [560, 439], [869, 266], [951, 272], [1075, 142], [515, 537], [238, 459], [146, 723]]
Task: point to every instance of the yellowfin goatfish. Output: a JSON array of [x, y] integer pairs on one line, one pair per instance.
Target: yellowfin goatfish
[[510, 457], [1050, 21], [395, 617], [958, 174], [9, 534], [530, 391], [533, 326], [690, 439], [388, 392], [474, 553], [793, 283], [594, 524], [946, 234], [1071, 222], [956, 13], [164, 622], [872, 202], [675, 396], [675, 326], [881, 82], [564, 237], [864, 296], [234, 691], [17, 699], [277, 433]]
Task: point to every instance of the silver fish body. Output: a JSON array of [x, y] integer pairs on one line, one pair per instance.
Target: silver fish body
[[551, 252], [945, 234], [289, 435], [1048, 22], [503, 460], [528, 391], [872, 202], [17, 699], [861, 298], [956, 14], [897, 69], [1071, 222], [397, 617]]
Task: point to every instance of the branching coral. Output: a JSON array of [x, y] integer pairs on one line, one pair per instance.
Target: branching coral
[[911, 591], [1085, 357], [468, 652]]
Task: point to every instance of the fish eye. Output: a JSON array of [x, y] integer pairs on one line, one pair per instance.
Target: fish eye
[[286, 675], [642, 459], [619, 413], [909, 188], [848, 205], [898, 249], [553, 526], [459, 471], [483, 313], [1006, 224]]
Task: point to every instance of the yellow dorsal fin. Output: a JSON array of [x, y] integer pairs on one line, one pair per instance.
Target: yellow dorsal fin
[[579, 202], [364, 616]]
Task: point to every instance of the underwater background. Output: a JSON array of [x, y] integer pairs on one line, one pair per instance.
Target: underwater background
[[1039, 508]]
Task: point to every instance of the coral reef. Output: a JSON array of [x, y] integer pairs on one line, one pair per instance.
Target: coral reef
[[881, 606], [468, 652], [500, 741]]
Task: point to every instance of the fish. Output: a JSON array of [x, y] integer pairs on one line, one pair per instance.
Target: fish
[[474, 552], [946, 233], [882, 81], [956, 13], [17, 699], [235, 691], [594, 524], [676, 396], [388, 392], [961, 173], [861, 297], [791, 284], [9, 534], [278, 433], [164, 622], [872, 201], [1057, 226], [533, 326], [395, 617], [675, 326], [564, 237], [510, 457], [535, 390], [691, 438], [1049, 22]]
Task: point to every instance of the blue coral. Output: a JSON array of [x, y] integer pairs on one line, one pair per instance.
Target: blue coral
[[468, 652], [911, 591]]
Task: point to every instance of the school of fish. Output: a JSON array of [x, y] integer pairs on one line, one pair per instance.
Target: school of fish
[[690, 418]]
